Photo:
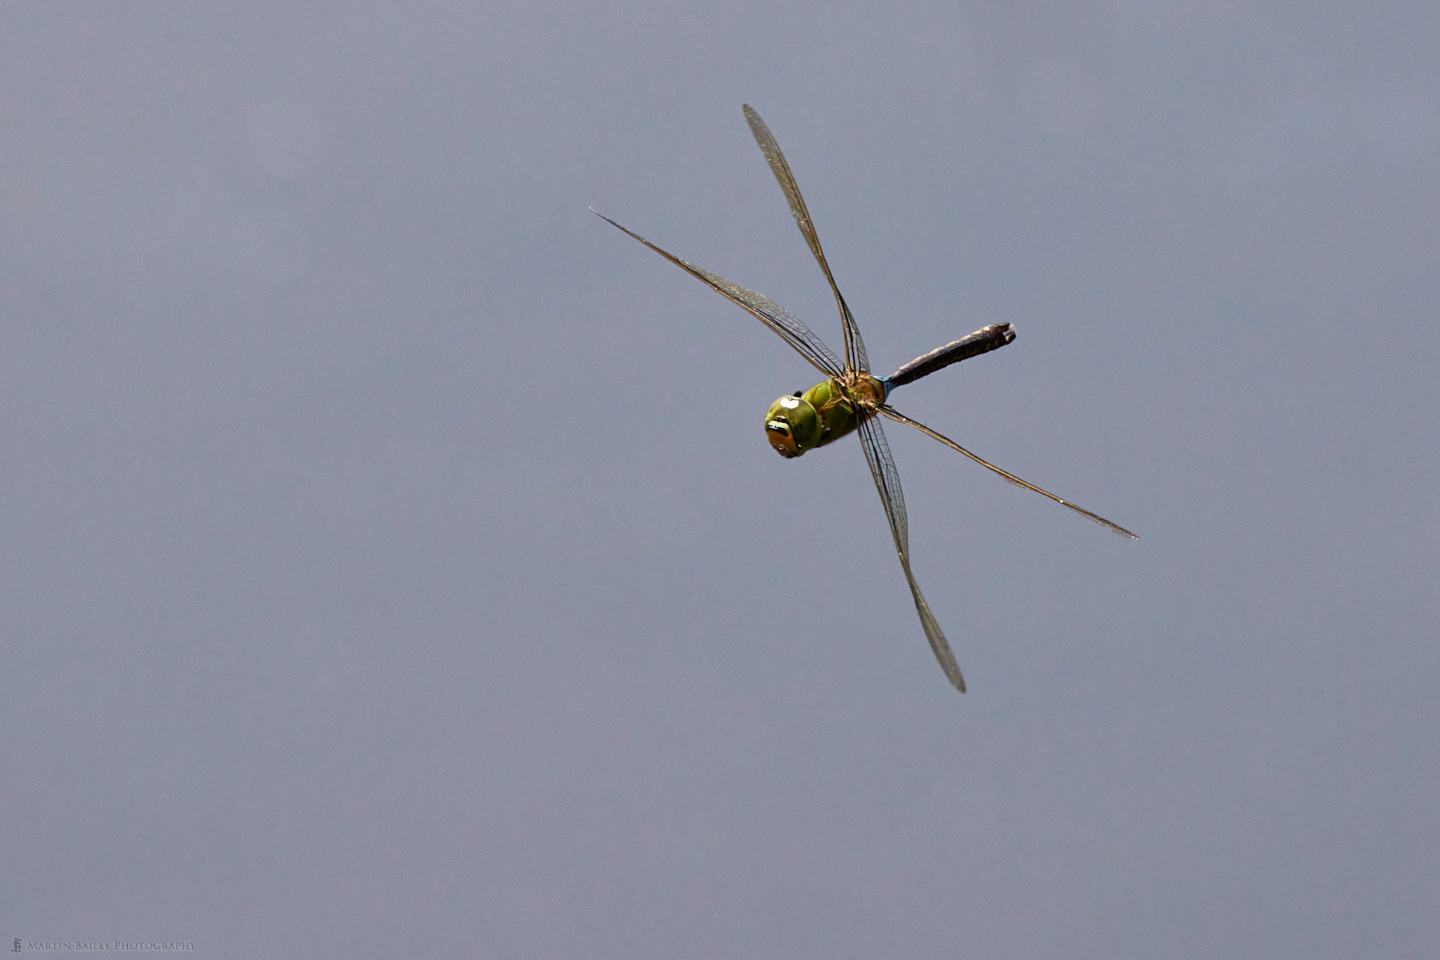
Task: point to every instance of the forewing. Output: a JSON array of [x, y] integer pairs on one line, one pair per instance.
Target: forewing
[[899, 417], [770, 313], [855, 355], [887, 481]]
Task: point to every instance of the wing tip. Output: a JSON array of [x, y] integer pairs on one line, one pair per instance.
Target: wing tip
[[1116, 528]]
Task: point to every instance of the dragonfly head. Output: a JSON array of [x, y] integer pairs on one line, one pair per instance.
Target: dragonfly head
[[792, 425]]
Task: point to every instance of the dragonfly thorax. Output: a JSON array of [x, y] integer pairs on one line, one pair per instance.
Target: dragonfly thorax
[[825, 412]]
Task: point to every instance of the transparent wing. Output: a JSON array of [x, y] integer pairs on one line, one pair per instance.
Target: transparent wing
[[770, 313], [896, 415], [887, 481], [855, 357]]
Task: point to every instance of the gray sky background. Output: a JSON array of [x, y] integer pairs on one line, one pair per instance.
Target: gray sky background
[[394, 564]]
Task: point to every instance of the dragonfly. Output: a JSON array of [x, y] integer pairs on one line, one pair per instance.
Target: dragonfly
[[851, 399]]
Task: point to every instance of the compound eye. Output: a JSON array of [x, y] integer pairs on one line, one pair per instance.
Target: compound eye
[[778, 433]]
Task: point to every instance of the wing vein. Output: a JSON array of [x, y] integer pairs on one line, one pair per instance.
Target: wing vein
[[767, 311], [887, 481], [855, 356], [899, 417]]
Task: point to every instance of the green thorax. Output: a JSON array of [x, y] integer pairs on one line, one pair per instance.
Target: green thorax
[[825, 412]]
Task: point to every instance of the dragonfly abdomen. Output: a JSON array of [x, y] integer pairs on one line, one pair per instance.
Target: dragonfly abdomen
[[981, 341]]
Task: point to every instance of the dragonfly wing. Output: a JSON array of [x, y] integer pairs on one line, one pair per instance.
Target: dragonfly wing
[[770, 313], [887, 481], [855, 357], [899, 417]]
